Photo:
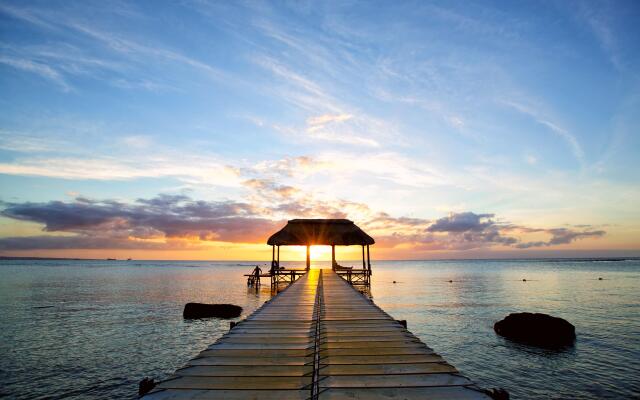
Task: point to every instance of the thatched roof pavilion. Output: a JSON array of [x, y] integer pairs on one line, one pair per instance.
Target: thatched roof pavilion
[[327, 232]]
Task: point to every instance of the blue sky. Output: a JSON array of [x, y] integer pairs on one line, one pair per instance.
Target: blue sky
[[521, 117]]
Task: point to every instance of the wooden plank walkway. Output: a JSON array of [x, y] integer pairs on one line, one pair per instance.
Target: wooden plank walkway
[[318, 339]]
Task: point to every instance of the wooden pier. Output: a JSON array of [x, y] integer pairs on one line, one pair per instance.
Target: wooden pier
[[318, 339]]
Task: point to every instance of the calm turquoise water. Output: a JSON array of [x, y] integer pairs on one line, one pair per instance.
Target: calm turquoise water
[[93, 329]]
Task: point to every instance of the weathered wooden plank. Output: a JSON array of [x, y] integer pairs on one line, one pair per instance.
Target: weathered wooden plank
[[260, 346], [251, 361], [236, 382], [377, 351], [282, 325], [389, 337], [423, 393], [404, 380], [256, 353], [387, 369], [361, 330], [246, 370], [372, 345], [267, 339], [385, 359], [273, 332], [193, 394]]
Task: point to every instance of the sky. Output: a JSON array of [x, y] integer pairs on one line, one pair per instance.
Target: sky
[[195, 129]]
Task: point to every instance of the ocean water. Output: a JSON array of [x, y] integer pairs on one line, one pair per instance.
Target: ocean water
[[93, 329]]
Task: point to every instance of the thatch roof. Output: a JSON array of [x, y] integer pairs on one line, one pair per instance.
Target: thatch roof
[[303, 232]]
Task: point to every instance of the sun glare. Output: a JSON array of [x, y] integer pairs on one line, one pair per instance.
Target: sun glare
[[318, 253]]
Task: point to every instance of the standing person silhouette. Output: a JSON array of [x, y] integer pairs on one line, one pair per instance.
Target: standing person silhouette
[[256, 273]]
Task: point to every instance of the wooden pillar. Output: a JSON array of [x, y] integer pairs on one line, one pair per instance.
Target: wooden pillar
[[273, 256], [369, 259], [278, 259], [308, 257], [333, 257], [363, 264]]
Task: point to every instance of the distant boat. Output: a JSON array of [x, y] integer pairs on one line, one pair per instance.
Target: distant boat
[[111, 259], [128, 259]]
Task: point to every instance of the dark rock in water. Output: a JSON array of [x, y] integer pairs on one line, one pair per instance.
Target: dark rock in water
[[537, 329], [199, 310], [497, 393], [145, 386]]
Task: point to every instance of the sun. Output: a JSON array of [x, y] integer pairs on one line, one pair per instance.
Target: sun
[[318, 253]]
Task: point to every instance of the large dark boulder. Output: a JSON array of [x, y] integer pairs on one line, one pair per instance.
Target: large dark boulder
[[537, 329], [146, 385], [199, 310]]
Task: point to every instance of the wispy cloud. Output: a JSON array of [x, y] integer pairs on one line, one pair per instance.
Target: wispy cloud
[[297, 89], [42, 70], [328, 119], [300, 166], [597, 17], [69, 59], [391, 167], [135, 49], [539, 117], [60, 63], [341, 128], [29, 143], [27, 15], [192, 169]]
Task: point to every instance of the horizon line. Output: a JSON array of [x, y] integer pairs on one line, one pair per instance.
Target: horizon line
[[604, 258]]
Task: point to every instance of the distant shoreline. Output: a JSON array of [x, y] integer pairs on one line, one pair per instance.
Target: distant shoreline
[[560, 259], [50, 258]]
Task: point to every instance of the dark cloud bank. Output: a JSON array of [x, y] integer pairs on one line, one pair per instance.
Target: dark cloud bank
[[468, 230], [109, 224], [112, 224]]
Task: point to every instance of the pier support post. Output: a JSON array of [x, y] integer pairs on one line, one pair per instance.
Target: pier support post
[[308, 257], [278, 259], [363, 264], [333, 257], [273, 258]]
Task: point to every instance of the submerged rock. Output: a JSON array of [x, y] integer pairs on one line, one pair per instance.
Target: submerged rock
[[537, 329], [200, 310], [146, 385], [497, 393]]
